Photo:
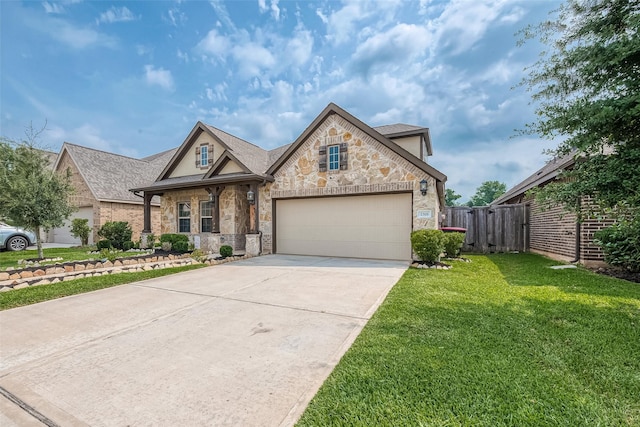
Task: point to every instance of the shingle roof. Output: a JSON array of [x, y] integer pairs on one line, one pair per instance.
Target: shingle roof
[[256, 159], [110, 176], [397, 128], [543, 175]]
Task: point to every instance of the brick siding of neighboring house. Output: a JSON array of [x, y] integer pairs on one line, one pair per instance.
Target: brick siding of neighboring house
[[553, 233]]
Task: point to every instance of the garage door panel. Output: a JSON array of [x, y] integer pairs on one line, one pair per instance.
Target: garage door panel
[[373, 226]]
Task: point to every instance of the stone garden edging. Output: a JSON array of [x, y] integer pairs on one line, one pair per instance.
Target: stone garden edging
[[63, 272]]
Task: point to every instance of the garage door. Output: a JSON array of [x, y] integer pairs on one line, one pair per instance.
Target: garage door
[[376, 226], [63, 234]]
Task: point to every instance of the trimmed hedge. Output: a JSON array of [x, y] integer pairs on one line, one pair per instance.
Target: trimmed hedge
[[428, 244], [226, 251], [452, 244]]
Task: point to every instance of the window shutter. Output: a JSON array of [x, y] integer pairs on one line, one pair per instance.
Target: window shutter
[[210, 156], [344, 156], [322, 158], [197, 157]]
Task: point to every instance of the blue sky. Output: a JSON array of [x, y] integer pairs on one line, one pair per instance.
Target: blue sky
[[134, 77]]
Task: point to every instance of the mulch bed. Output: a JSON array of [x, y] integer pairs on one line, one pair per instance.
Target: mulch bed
[[619, 273]]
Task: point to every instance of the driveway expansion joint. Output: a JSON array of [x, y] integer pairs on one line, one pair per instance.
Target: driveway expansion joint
[[27, 408]]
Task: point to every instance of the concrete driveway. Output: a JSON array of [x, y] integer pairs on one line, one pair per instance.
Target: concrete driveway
[[246, 343]]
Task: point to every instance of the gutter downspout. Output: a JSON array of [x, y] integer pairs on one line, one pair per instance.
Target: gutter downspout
[[578, 239]]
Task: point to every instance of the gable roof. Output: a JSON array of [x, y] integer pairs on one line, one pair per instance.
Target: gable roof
[[334, 109], [548, 172], [399, 130], [109, 176], [260, 164]]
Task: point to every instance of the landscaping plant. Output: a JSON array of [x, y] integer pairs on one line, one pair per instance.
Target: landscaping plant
[[80, 230], [452, 244], [428, 244], [118, 233], [621, 244], [226, 251]]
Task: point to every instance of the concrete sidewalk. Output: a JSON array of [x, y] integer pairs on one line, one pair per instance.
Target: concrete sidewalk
[[246, 343]]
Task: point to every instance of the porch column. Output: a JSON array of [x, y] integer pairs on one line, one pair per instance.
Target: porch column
[[147, 213], [254, 211], [215, 198]]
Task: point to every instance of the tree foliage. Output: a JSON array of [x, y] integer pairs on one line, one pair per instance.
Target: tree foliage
[[587, 91], [487, 193], [450, 197], [32, 196], [80, 229]]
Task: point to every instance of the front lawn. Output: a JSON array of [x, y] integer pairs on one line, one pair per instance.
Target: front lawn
[[10, 259], [500, 341], [34, 294]]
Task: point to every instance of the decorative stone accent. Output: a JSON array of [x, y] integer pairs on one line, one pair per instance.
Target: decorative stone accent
[[252, 246]]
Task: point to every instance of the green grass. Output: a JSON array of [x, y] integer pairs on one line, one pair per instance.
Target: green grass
[[35, 294], [500, 341], [10, 259]]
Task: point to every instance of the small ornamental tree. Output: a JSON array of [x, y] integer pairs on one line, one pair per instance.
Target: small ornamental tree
[[80, 230], [32, 195], [428, 244]]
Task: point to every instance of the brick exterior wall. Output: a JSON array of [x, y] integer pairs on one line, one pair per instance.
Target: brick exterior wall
[[133, 214], [106, 211], [553, 233]]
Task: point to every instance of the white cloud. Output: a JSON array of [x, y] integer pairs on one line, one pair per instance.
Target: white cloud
[[116, 14], [159, 77], [273, 7], [252, 58], [214, 44], [342, 24], [53, 7], [77, 38], [175, 17], [395, 47], [223, 14]]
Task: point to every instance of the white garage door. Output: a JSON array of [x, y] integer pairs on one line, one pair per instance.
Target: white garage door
[[63, 234], [376, 226]]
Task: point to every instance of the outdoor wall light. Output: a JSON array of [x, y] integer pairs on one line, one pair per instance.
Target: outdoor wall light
[[423, 187], [251, 197], [211, 197]]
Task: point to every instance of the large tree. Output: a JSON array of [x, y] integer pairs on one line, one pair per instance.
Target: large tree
[[487, 193], [32, 196], [450, 197], [587, 90]]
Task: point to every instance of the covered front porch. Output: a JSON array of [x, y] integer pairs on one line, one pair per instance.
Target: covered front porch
[[213, 213]]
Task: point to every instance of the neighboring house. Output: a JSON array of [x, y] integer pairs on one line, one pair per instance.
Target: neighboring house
[[101, 181], [341, 189], [554, 231]]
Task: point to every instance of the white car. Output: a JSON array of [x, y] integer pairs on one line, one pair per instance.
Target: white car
[[14, 238]]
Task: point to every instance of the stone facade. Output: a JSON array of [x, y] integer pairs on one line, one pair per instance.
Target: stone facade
[[234, 217], [372, 169]]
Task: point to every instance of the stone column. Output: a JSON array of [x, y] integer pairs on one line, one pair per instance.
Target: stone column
[[252, 245]]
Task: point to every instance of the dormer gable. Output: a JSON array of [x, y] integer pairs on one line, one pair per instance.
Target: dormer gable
[[197, 154], [227, 163]]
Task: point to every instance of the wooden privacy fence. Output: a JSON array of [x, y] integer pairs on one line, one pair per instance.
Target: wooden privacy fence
[[503, 228]]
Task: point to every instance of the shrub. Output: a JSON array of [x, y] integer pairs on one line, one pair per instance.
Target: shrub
[[198, 255], [621, 244], [173, 238], [166, 246], [225, 251], [104, 244], [80, 229], [110, 254], [151, 240], [452, 244], [127, 245], [428, 244], [180, 246], [118, 232]]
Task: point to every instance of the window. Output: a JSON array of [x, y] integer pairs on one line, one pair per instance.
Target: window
[[334, 157], [184, 217], [204, 154], [206, 222]]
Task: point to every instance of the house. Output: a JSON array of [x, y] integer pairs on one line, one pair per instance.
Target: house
[[342, 188], [553, 231], [101, 181]]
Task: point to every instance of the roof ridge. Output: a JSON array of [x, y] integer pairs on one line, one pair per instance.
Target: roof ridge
[[234, 136], [103, 151]]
